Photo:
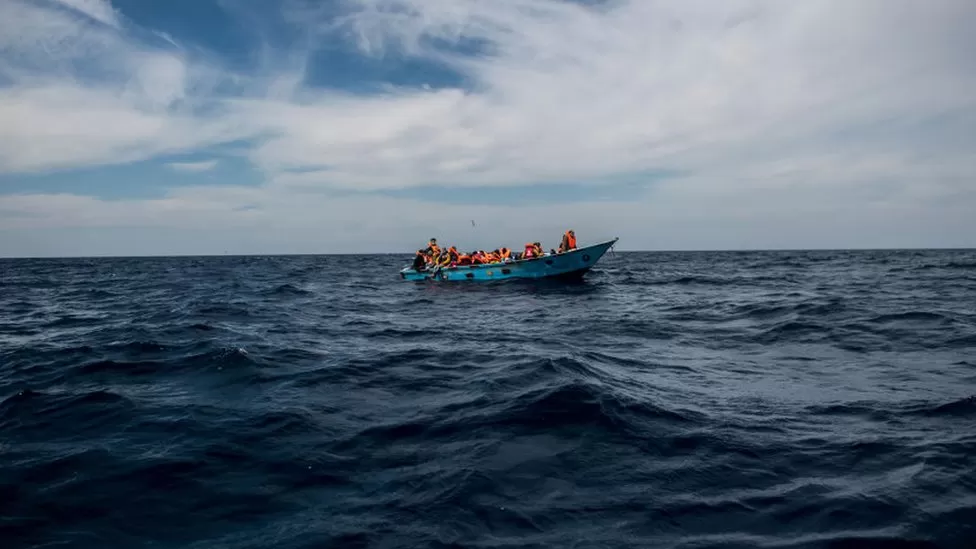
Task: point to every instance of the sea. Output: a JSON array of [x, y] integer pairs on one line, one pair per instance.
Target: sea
[[770, 399]]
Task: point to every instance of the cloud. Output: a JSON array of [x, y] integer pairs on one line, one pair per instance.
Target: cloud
[[99, 10], [569, 91], [202, 166], [762, 107], [84, 94]]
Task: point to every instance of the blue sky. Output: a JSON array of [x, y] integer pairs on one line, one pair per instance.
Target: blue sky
[[209, 126]]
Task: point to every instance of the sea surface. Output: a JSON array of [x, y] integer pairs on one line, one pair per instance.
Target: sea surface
[[670, 400]]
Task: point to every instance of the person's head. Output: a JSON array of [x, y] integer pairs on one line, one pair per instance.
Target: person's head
[[433, 241]]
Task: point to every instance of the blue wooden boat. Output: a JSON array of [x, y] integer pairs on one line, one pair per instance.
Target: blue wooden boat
[[568, 265]]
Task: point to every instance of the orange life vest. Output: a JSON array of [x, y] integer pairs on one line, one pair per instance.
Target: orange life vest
[[570, 241]]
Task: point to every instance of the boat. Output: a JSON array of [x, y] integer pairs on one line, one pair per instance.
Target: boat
[[567, 265]]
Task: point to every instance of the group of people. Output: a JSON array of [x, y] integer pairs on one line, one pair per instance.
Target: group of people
[[433, 256]]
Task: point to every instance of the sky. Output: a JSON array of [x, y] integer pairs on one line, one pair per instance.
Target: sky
[[130, 127]]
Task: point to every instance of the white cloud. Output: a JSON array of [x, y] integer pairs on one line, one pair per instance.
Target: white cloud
[[202, 166], [83, 94], [770, 107], [570, 92], [99, 10]]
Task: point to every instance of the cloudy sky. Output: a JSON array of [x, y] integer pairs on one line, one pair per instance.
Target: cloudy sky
[[243, 126]]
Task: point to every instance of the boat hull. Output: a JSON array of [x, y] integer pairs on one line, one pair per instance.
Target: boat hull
[[569, 265]]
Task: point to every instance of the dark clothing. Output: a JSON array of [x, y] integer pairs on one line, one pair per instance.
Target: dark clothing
[[418, 263]]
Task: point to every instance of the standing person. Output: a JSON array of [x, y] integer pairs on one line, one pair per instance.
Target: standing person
[[568, 242]]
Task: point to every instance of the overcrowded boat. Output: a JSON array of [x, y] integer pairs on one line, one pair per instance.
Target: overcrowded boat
[[567, 262]]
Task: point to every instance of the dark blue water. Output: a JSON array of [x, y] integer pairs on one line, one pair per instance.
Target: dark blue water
[[672, 400]]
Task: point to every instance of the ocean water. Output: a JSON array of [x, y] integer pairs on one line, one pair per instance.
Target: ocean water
[[670, 400]]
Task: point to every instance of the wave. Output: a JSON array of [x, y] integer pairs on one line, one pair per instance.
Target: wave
[[127, 368], [793, 330], [37, 415], [910, 316], [964, 407], [288, 290], [892, 411]]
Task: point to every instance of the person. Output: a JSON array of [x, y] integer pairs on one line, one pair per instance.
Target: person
[[532, 250], [443, 260], [568, 242], [420, 261], [432, 249]]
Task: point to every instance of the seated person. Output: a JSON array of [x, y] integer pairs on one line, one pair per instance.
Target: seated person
[[444, 260], [419, 261]]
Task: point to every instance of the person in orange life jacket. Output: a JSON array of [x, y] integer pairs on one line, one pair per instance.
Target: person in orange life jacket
[[568, 242], [532, 250], [432, 248]]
